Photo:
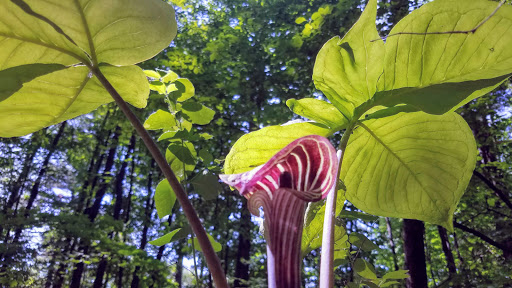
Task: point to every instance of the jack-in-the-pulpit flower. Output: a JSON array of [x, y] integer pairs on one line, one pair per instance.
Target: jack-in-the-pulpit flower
[[304, 171]]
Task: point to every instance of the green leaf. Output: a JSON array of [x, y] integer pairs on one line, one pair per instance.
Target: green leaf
[[177, 165], [206, 156], [364, 269], [152, 74], [65, 94], [217, 247], [118, 32], [160, 120], [318, 111], [447, 70], [347, 69], [167, 238], [398, 274], [207, 185], [197, 113], [362, 242], [164, 199], [300, 20], [410, 165], [183, 153], [255, 148], [170, 77], [353, 215], [184, 90], [313, 227], [382, 113], [12, 79]]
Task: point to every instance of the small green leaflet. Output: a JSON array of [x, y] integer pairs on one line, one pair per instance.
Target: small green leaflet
[[164, 199]]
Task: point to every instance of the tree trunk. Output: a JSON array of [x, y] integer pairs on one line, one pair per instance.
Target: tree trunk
[[102, 267], [392, 242], [42, 173], [244, 247], [147, 221], [93, 211], [445, 242], [414, 250]]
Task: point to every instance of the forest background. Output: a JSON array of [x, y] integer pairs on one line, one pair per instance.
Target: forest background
[[77, 206]]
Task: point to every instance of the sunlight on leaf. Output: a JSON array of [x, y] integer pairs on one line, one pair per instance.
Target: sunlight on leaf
[[411, 165], [164, 199]]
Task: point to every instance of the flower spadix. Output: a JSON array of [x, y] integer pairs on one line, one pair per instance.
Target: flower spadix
[[303, 171]]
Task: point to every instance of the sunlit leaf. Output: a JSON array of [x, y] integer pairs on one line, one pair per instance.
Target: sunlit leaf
[[255, 148], [167, 238], [160, 120], [65, 94], [318, 111], [197, 113], [410, 165], [217, 247], [347, 69], [445, 71], [398, 274], [164, 198]]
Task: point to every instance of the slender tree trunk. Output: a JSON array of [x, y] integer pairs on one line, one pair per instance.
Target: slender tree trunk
[[392, 242], [147, 221], [244, 247], [414, 249], [179, 264], [34, 192], [445, 242], [118, 192], [93, 211]]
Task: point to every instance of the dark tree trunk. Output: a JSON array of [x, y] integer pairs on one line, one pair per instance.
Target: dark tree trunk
[[34, 192], [244, 247], [392, 242], [147, 221], [93, 211], [102, 267], [179, 264], [445, 242], [414, 250], [118, 192]]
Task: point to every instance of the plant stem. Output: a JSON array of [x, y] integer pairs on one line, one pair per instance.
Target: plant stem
[[212, 260], [327, 258]]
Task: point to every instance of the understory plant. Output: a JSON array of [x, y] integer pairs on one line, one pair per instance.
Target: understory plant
[[403, 153]]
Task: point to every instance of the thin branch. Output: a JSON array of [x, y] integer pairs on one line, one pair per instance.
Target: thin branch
[[501, 194], [481, 236], [446, 32], [211, 257]]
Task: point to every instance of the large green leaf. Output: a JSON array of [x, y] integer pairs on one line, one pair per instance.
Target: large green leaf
[[77, 34], [410, 165], [431, 65], [256, 148], [347, 69], [12, 79], [118, 32], [318, 111], [65, 94]]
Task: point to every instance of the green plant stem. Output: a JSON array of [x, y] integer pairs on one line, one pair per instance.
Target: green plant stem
[[327, 258], [212, 260]]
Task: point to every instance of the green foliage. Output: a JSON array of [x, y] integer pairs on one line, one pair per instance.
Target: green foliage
[[164, 198], [318, 111], [105, 34], [216, 245]]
